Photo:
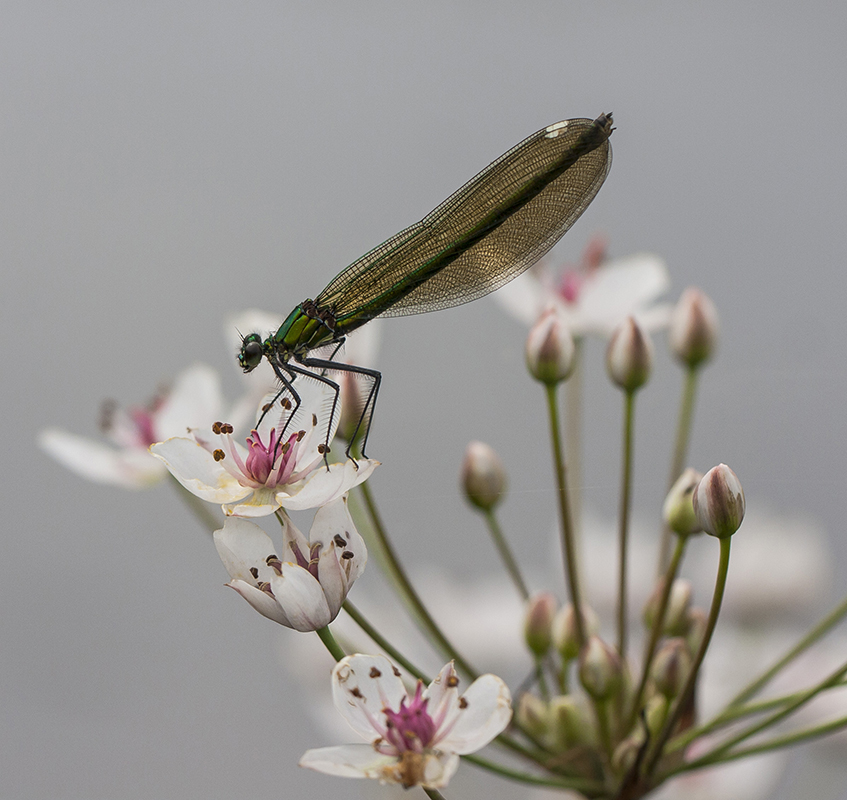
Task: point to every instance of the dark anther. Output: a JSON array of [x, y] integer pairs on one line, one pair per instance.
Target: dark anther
[[339, 540], [322, 448], [452, 682], [217, 427], [347, 555], [314, 420], [300, 435], [463, 703], [219, 455], [266, 407], [396, 671], [226, 427], [355, 692], [285, 403], [375, 673], [285, 448], [254, 572]]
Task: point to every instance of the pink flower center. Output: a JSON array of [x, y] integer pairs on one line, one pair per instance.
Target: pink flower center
[[411, 728]]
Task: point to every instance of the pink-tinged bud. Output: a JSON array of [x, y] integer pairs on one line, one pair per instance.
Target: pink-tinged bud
[[538, 625], [600, 670], [532, 714], [550, 350], [629, 356], [678, 510], [693, 331], [564, 630], [483, 476], [676, 613], [719, 502], [671, 666]]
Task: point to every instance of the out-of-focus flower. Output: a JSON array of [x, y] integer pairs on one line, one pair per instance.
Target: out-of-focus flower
[[600, 669], [483, 476], [550, 348], [629, 356], [594, 296], [284, 466], [194, 401], [678, 508], [693, 330], [303, 585], [538, 625], [412, 740]]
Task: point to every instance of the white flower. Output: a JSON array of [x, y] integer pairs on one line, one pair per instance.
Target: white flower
[[194, 401], [412, 740], [303, 585], [596, 295], [284, 467]]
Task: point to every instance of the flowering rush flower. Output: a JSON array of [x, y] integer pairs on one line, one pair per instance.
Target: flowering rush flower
[[303, 585], [594, 296], [284, 466], [412, 740], [194, 401]]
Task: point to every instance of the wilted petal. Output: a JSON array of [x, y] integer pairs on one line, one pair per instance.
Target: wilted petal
[[130, 468], [302, 597]]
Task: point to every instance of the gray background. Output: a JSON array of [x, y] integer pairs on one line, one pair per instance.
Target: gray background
[[164, 164]]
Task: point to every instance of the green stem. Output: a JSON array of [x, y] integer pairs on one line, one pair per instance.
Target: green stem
[[626, 485], [433, 794], [577, 784], [573, 436], [718, 754], [683, 435], [656, 630], [406, 589], [381, 642], [734, 713], [687, 692], [329, 641], [830, 620], [198, 507], [505, 553], [568, 544]]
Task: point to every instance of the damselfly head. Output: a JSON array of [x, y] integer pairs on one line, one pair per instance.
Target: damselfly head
[[251, 352]]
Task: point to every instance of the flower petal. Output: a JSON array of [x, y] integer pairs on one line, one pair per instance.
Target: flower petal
[[325, 485], [332, 521], [131, 468], [362, 686], [195, 401], [302, 598], [196, 469], [259, 504], [243, 546], [262, 602], [486, 711]]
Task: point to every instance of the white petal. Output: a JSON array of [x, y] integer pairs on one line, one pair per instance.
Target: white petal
[[325, 485], [196, 469], [258, 504], [130, 468], [362, 686], [487, 712], [243, 546], [293, 540], [348, 761], [262, 602], [302, 599], [443, 698], [195, 401], [334, 520], [362, 761], [524, 298]]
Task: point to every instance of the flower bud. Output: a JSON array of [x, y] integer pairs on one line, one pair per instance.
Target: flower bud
[[564, 629], [678, 510], [538, 624], [623, 759], [655, 712], [719, 502], [569, 722], [697, 621], [693, 329], [532, 714], [676, 614], [600, 670], [629, 356], [550, 350], [671, 666], [483, 476]]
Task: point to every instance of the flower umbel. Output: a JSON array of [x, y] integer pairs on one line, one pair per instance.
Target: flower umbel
[[303, 585], [283, 468], [413, 740]]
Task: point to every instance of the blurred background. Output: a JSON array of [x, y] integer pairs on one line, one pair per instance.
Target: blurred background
[[166, 164]]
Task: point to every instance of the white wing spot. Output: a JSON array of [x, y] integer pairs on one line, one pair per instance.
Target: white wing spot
[[552, 131]]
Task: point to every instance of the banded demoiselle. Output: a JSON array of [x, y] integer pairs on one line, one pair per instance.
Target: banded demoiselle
[[482, 236]]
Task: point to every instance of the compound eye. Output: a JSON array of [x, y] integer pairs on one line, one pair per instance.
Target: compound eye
[[251, 353]]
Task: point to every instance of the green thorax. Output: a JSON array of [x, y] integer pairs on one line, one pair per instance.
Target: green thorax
[[305, 328]]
